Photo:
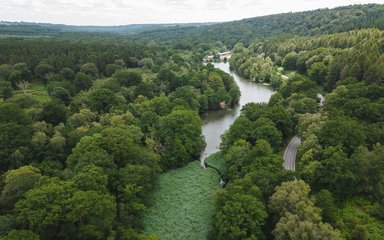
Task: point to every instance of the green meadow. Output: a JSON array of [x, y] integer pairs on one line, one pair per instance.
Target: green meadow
[[38, 91], [183, 203]]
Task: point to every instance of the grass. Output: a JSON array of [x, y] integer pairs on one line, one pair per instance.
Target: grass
[[182, 203], [38, 91], [216, 161]]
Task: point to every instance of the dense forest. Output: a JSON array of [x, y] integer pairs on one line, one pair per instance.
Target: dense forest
[[90, 120], [86, 126], [47, 29], [322, 21], [336, 192]]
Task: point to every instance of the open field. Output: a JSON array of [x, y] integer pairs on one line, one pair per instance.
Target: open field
[[38, 91], [183, 206]]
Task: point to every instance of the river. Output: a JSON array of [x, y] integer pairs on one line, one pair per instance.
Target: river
[[216, 122]]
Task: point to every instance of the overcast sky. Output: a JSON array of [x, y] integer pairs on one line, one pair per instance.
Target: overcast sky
[[122, 12]]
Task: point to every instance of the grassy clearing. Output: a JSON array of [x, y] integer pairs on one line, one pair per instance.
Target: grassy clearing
[[38, 91], [183, 206], [216, 161]]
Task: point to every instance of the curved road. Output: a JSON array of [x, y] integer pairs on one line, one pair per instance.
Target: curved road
[[291, 150], [290, 153]]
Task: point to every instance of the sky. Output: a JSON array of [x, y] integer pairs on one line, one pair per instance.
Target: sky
[[123, 12]]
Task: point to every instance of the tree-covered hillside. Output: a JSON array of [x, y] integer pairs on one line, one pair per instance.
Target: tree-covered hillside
[[323, 21], [309, 23], [47, 29]]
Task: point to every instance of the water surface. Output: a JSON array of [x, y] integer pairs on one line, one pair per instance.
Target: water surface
[[216, 122]]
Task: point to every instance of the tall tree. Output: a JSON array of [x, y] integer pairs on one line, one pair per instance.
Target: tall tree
[[180, 134], [297, 216]]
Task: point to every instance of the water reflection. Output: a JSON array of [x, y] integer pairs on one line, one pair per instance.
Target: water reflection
[[216, 122]]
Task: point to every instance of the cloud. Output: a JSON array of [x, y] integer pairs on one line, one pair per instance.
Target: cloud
[[180, 4], [119, 12], [217, 5]]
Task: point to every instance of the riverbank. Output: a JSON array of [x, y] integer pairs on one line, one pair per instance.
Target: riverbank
[[215, 123], [216, 162], [183, 199]]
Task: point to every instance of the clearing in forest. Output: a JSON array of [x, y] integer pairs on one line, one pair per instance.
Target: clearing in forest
[[183, 203]]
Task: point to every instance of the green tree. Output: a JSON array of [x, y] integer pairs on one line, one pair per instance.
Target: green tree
[[282, 118], [131, 169], [169, 78], [180, 134], [367, 171], [56, 209], [89, 152], [297, 84], [242, 217], [6, 90], [7, 224], [240, 129], [15, 134], [318, 72], [54, 112], [23, 68], [375, 74], [188, 94], [127, 78], [237, 159], [344, 131], [42, 70], [43, 208], [102, 100], [92, 215], [265, 129], [337, 173], [291, 227], [110, 69], [240, 212], [15, 77], [67, 73], [82, 81], [91, 178], [20, 234], [289, 61], [89, 69], [61, 94], [293, 197], [298, 217], [324, 200], [302, 104], [5, 71], [16, 183]]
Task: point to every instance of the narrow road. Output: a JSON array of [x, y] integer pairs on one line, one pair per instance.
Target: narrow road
[[291, 150], [322, 99], [290, 153]]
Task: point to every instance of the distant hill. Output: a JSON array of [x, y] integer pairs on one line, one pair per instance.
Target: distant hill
[[28, 28], [309, 23]]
